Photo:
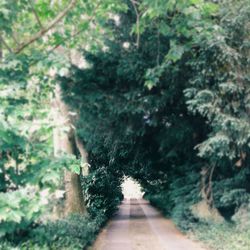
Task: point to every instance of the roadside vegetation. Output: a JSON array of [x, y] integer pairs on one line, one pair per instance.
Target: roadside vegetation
[[224, 236], [92, 91]]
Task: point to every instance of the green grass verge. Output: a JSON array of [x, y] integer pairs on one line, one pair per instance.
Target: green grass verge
[[224, 236]]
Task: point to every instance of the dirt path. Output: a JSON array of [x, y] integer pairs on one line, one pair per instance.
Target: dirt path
[[139, 226]]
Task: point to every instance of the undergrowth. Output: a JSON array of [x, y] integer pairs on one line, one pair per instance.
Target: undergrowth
[[229, 235], [225, 236], [75, 233]]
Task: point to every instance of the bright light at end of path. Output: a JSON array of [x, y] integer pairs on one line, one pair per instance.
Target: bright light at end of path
[[131, 189]]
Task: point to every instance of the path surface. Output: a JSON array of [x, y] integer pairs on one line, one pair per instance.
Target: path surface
[[139, 226]]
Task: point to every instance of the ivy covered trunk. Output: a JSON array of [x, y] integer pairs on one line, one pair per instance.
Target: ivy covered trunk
[[65, 143]]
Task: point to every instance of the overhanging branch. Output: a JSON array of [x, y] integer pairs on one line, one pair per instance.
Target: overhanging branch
[[35, 14], [47, 28], [5, 44], [137, 22], [78, 32]]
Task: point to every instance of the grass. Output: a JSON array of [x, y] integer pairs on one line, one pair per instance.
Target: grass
[[225, 236]]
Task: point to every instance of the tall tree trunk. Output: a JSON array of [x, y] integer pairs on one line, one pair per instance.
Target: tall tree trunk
[[2, 168], [64, 142]]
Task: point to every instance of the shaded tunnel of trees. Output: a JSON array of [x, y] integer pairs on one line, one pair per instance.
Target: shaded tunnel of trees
[[167, 106], [151, 133]]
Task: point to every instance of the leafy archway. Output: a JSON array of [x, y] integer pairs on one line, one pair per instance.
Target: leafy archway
[[161, 94], [126, 127]]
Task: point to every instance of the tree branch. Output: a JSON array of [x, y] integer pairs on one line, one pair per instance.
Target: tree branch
[[15, 39], [81, 149], [35, 14], [5, 44], [78, 32], [47, 28], [137, 22]]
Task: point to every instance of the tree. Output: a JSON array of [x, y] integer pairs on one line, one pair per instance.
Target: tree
[[31, 33]]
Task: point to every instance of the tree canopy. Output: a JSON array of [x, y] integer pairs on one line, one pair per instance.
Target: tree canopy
[[92, 91]]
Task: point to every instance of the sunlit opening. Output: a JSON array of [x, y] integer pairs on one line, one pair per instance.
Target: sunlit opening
[[131, 189]]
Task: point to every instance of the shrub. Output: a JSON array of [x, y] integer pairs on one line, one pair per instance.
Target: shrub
[[177, 200], [18, 210], [102, 193], [74, 232]]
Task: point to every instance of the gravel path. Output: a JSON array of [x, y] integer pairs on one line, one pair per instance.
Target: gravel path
[[139, 226]]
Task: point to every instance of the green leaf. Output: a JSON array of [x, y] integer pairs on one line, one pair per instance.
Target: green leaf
[[164, 29], [176, 51]]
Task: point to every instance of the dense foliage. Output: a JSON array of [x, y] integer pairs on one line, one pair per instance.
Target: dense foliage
[[73, 232], [180, 109], [161, 94]]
